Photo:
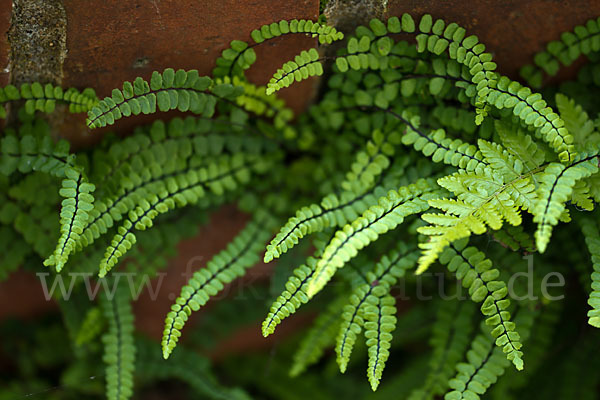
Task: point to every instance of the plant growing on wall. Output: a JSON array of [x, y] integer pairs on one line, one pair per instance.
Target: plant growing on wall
[[417, 157]]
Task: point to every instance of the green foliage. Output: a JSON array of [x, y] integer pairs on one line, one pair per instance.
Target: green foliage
[[119, 346], [556, 186], [169, 90], [320, 336], [592, 240], [305, 65], [380, 321], [44, 98], [240, 254], [477, 275], [585, 39], [414, 133]]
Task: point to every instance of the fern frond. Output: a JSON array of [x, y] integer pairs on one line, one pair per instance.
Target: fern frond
[[384, 275], [187, 189], [380, 321], [584, 39], [334, 210], [240, 56], [74, 215], [256, 100], [481, 279], [339, 209], [187, 366], [482, 201], [521, 145], [320, 336], [30, 153], [44, 98], [592, 239], [577, 122], [485, 363], [119, 346], [292, 298], [493, 89], [556, 187], [294, 294], [440, 148], [377, 220], [92, 325], [181, 90], [232, 262], [450, 338], [305, 65]]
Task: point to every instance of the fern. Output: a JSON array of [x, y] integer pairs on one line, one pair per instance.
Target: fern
[[450, 338], [585, 39], [337, 210], [28, 153], [119, 347], [556, 187], [592, 235], [38, 97], [294, 294], [74, 215], [485, 363], [478, 276], [380, 321], [229, 264], [91, 326], [318, 338], [241, 55], [375, 221], [181, 90], [380, 280]]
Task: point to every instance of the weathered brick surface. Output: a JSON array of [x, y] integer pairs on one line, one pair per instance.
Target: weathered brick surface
[[512, 30]]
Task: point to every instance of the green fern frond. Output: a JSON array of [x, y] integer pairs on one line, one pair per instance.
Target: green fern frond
[[485, 362], [334, 210], [515, 238], [556, 187], [74, 215], [294, 294], [240, 55], [173, 193], [305, 65], [520, 145], [256, 100], [380, 321], [339, 209], [377, 220], [384, 275], [181, 90], [450, 337], [320, 336], [119, 346], [38, 97], [29, 153], [92, 325], [592, 239], [577, 122], [292, 298], [584, 39], [484, 198], [440, 148], [481, 279], [230, 263]]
